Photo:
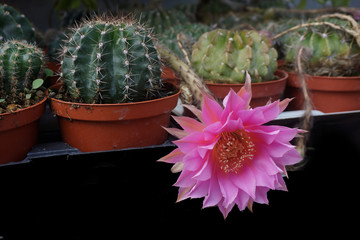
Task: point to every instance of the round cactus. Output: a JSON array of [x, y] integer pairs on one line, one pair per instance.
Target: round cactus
[[224, 56], [331, 51], [20, 64], [187, 33], [14, 25], [111, 61], [161, 20]]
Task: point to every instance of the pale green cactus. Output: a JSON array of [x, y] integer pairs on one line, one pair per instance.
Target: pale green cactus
[[224, 56]]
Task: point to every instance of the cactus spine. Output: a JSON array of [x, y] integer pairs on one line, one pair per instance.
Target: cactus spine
[[20, 64], [111, 61], [224, 56], [14, 25]]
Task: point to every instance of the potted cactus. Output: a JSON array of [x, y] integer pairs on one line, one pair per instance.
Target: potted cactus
[[222, 58], [21, 104], [329, 63], [15, 25], [112, 95]]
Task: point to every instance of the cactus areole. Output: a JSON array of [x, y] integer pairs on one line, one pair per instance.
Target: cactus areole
[[111, 61]]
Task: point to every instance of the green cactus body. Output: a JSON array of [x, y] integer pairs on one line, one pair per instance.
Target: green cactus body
[[14, 25], [111, 62], [161, 20], [224, 56], [329, 52], [189, 34], [20, 64]]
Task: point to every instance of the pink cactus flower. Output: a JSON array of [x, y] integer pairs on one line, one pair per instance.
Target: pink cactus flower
[[229, 157]]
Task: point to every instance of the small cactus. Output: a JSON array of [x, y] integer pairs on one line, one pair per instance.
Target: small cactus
[[111, 61], [20, 64], [14, 25], [161, 20], [332, 44], [224, 56], [186, 35]]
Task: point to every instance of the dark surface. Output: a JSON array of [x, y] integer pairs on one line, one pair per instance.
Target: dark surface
[[61, 193]]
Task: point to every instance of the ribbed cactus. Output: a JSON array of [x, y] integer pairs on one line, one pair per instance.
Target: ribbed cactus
[[331, 46], [111, 61], [187, 34], [162, 19], [20, 64], [224, 56], [14, 25]]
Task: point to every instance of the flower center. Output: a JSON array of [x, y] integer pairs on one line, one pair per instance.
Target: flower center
[[233, 150]]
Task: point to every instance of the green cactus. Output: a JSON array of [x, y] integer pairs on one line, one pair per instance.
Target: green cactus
[[14, 25], [330, 49], [187, 34], [111, 61], [20, 64], [224, 56], [162, 19]]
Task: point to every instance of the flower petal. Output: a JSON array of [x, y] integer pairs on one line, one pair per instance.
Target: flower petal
[[245, 181], [233, 102], [173, 157], [190, 125], [211, 111], [214, 194], [199, 190], [190, 142], [245, 92], [263, 114], [195, 111], [228, 190], [176, 132], [264, 163]]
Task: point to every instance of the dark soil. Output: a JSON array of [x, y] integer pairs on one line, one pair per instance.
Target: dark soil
[[18, 101]]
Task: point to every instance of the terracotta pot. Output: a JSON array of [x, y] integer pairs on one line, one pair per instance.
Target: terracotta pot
[[99, 127], [19, 131], [261, 92], [169, 75], [328, 94]]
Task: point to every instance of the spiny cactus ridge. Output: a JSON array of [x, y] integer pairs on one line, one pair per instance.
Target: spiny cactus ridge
[[224, 56], [20, 64], [14, 25], [111, 61]]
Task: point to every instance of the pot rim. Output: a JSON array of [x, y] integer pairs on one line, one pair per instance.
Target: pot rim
[[327, 77], [115, 104], [281, 73]]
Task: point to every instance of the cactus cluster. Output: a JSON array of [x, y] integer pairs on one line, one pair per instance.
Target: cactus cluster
[[224, 56], [14, 25], [20, 64], [111, 61], [330, 49]]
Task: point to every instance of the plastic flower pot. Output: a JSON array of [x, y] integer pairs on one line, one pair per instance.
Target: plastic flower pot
[[328, 94], [261, 92], [101, 127], [19, 131], [169, 75]]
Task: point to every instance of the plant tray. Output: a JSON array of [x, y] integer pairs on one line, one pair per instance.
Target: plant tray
[[111, 193]]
